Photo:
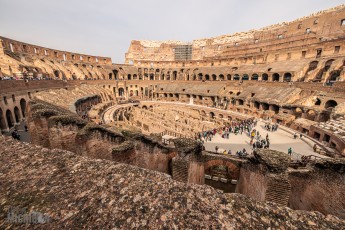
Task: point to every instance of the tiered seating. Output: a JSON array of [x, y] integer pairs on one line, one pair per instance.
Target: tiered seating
[[336, 126], [66, 98]]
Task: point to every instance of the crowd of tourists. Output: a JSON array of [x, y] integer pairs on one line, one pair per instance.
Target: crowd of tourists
[[235, 127]]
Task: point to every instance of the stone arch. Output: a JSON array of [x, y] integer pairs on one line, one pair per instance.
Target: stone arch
[[245, 77], [236, 77], [328, 64], [221, 77], [212, 115], [135, 77], [144, 107], [57, 74], [9, 119], [265, 106], [23, 106], [175, 75], [214, 77], [275, 108], [233, 170], [287, 77], [317, 102], [121, 92], [17, 115], [200, 76], [2, 121], [207, 77], [221, 116], [228, 77], [255, 77], [264, 77], [256, 105], [240, 102], [152, 76], [330, 104], [275, 77], [202, 113], [129, 77]]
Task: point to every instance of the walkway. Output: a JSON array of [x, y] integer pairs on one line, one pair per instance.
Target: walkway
[[280, 140], [108, 115], [229, 112]]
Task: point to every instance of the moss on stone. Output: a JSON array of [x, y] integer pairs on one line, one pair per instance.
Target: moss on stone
[[67, 120], [337, 165], [275, 161], [124, 147], [91, 127]]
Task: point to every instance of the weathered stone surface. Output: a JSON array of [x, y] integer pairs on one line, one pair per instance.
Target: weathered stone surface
[[78, 192], [275, 161]]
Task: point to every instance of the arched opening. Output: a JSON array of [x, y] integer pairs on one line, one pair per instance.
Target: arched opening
[[312, 65], [17, 114], [229, 118], [221, 77], [240, 102], [214, 77], [318, 101], [56, 73], [328, 65], [236, 77], [265, 77], [175, 75], [110, 76], [275, 77], [2, 121], [256, 105], [287, 77], [129, 77], [228, 77], [212, 115], [152, 77], [121, 92], [224, 171], [135, 77], [144, 107], [255, 77], [200, 76], [9, 119], [245, 77], [265, 106], [331, 104], [275, 108], [23, 106], [207, 77]]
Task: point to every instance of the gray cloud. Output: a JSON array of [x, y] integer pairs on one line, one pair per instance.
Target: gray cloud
[[104, 27]]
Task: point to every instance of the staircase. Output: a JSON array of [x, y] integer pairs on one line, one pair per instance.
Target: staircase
[[278, 190]]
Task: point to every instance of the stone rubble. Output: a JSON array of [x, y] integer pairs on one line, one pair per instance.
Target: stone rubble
[[79, 192]]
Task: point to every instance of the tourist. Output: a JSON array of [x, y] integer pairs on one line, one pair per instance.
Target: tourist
[[290, 151], [295, 136], [216, 148], [229, 152], [300, 135]]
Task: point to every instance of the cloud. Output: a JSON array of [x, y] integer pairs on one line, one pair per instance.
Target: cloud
[[105, 27]]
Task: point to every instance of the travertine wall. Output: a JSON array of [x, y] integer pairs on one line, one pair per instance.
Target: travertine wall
[[319, 187]]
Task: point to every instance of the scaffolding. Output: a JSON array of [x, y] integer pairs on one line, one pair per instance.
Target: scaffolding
[[183, 52]]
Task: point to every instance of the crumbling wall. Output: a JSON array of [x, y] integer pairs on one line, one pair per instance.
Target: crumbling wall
[[320, 187], [263, 177]]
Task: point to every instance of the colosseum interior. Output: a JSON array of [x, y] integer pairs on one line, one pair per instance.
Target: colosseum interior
[[118, 145]]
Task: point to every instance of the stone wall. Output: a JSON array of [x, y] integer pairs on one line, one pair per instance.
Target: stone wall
[[319, 187]]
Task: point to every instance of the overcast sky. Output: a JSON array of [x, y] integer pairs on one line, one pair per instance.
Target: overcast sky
[[106, 27]]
